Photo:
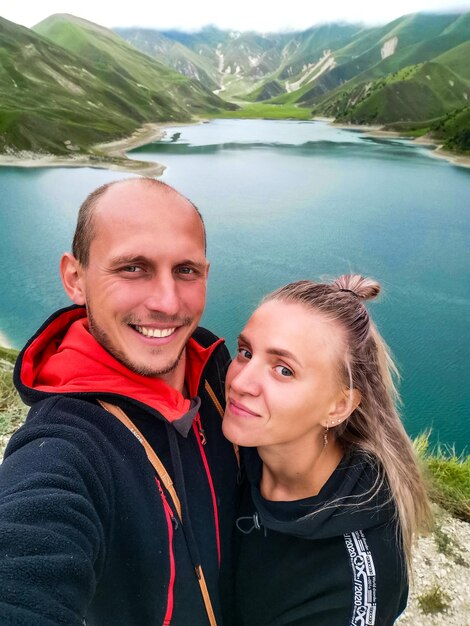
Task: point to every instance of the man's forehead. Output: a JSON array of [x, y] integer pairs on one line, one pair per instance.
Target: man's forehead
[[134, 218], [138, 195]]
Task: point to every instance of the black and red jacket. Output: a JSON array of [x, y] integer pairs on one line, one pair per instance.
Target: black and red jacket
[[87, 533]]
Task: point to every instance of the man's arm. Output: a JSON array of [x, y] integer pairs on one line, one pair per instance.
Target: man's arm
[[53, 507]]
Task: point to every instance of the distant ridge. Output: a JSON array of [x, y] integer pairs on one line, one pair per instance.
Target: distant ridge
[[413, 70], [69, 84]]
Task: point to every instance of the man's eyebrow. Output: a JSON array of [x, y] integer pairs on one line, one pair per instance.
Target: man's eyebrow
[[196, 264], [128, 260], [242, 339]]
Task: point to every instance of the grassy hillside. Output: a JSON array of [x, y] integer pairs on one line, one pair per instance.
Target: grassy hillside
[[12, 410], [59, 100], [454, 130], [242, 61], [418, 92], [173, 54], [378, 52], [122, 66]]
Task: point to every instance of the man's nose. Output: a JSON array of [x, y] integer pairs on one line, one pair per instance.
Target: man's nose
[[163, 295]]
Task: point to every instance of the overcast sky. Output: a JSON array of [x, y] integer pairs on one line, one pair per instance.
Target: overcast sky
[[237, 14]]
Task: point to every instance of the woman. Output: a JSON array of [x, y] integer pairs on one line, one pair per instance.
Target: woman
[[335, 494]]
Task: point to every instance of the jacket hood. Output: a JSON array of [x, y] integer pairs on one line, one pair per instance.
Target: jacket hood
[[64, 358], [350, 500]]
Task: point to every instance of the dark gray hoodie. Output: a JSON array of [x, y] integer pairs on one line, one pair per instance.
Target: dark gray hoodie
[[334, 559]]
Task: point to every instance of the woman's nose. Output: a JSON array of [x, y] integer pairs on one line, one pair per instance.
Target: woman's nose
[[246, 380]]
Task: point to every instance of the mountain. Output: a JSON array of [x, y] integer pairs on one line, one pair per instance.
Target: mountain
[[419, 92], [390, 73], [383, 50], [173, 54], [454, 130], [240, 62], [121, 64], [70, 84]]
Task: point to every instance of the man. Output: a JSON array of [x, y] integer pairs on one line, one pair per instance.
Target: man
[[125, 393]]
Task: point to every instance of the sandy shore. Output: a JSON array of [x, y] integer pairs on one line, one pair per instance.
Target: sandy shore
[[377, 131], [110, 155]]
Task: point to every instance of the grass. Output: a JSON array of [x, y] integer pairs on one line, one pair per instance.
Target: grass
[[444, 542], [12, 410], [448, 476], [267, 112], [433, 601]]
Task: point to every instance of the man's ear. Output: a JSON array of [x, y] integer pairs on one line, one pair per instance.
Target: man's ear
[[345, 403], [71, 273]]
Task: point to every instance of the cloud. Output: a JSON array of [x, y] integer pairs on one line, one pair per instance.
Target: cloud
[[241, 15]]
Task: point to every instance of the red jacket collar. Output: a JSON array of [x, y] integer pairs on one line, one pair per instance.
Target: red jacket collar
[[66, 358]]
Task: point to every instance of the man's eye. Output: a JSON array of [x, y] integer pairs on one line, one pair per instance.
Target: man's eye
[[131, 269], [186, 270], [283, 371], [243, 353]]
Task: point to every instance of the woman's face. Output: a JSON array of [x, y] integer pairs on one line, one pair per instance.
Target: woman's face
[[283, 384]]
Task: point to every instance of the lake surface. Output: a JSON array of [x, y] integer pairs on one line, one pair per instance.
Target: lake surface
[[286, 200]]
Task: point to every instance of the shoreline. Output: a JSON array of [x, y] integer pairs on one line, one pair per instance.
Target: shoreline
[[110, 155], [438, 152]]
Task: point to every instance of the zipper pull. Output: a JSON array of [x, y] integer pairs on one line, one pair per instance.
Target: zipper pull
[[174, 521], [200, 429]]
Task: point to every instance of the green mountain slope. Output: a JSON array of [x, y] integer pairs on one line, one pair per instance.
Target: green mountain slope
[[241, 62], [121, 64], [59, 100], [303, 67], [380, 51], [172, 54], [454, 130], [241, 59], [418, 92]]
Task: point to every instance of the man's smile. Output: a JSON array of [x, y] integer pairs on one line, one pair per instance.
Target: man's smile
[[148, 331]]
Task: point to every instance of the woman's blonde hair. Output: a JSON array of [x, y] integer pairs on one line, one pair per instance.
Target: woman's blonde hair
[[374, 426]]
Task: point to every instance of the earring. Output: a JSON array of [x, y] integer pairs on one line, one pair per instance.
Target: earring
[[325, 437]]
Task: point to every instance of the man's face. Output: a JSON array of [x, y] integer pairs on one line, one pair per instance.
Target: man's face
[[145, 284]]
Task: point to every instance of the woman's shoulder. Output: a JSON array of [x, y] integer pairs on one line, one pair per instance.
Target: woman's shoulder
[[355, 497]]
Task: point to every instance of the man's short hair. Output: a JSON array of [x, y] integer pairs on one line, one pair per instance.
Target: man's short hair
[[84, 231]]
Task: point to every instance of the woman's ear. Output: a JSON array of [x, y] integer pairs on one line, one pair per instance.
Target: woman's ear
[[71, 273], [346, 402]]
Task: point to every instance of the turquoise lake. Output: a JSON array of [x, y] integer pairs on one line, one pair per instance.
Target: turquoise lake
[[284, 200]]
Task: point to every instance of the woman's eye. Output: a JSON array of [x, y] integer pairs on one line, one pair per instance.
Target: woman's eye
[[244, 353], [283, 371]]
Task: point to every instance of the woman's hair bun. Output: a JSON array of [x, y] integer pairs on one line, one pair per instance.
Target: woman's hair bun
[[363, 288]]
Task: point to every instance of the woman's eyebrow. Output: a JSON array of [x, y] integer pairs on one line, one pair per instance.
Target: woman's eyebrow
[[274, 351], [283, 353]]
